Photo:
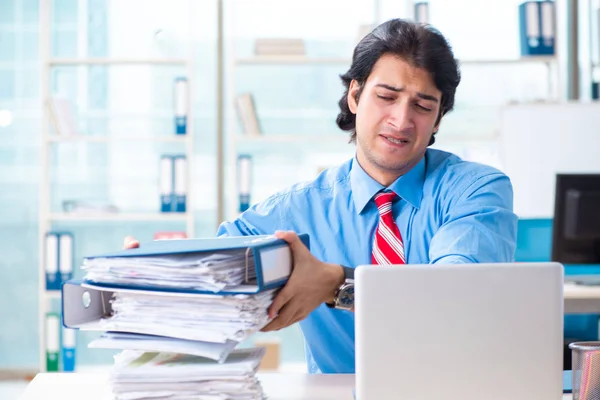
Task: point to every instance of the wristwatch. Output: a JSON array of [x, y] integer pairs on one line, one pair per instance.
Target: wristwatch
[[343, 298]]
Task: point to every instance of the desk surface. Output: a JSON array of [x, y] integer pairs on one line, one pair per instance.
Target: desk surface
[[67, 386], [581, 299]]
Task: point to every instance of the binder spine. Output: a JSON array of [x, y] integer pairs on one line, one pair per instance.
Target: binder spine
[[181, 104], [65, 256], [537, 27], [51, 262], [180, 183], [547, 26], [529, 22], [422, 12], [52, 341], [166, 184], [244, 180], [68, 349]]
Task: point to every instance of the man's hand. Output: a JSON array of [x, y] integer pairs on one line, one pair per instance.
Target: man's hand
[[130, 243], [311, 283]]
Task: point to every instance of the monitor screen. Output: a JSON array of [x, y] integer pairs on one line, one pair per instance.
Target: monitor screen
[[576, 225]]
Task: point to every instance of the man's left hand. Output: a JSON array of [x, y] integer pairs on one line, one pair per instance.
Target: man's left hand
[[311, 283]]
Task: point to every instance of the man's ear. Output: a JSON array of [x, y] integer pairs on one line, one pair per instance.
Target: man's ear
[[353, 92]]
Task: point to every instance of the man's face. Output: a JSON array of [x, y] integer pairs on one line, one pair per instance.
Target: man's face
[[395, 116]]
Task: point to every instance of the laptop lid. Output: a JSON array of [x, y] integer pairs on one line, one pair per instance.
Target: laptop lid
[[469, 331]]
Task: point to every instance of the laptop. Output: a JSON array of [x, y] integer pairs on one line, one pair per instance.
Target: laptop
[[468, 331]]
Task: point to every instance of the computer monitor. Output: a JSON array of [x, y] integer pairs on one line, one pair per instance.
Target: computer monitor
[[576, 225]]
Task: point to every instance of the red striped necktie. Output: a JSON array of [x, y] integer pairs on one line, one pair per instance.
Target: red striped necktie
[[387, 246]]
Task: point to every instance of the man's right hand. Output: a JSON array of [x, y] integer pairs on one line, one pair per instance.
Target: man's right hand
[[130, 243]]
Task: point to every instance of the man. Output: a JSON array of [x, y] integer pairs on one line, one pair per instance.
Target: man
[[395, 202]]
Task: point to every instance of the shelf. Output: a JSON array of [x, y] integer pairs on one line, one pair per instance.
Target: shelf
[[52, 294], [521, 60], [117, 61], [342, 139], [106, 139], [256, 60], [292, 60], [119, 217]]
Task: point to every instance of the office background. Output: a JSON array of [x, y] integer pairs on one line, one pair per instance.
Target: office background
[[296, 103]]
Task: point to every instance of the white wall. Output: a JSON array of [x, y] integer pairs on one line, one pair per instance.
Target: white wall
[[537, 141]]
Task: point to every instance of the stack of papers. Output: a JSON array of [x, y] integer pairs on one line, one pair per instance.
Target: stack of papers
[[196, 271], [214, 319], [150, 375], [176, 330]]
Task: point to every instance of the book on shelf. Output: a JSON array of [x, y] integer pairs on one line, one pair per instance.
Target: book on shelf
[[246, 110], [63, 117], [279, 47]]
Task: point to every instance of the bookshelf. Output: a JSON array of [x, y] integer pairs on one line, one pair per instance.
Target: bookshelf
[[462, 127], [51, 139]]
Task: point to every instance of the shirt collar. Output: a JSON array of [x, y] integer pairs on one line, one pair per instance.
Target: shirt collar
[[408, 187]]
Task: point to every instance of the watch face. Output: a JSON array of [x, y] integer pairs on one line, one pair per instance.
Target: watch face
[[346, 296]]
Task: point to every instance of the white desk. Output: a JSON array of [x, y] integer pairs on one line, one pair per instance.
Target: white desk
[[67, 386], [64, 386], [580, 299]]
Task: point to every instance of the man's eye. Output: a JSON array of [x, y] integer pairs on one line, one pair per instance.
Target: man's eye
[[423, 108], [385, 98]]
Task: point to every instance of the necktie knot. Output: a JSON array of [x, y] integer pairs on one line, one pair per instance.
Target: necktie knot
[[384, 202]]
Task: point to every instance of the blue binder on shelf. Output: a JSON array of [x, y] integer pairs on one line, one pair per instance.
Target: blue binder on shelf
[[85, 303], [244, 180], [537, 27], [421, 12], [51, 261], [180, 184], [167, 183], [181, 105], [58, 258], [69, 343]]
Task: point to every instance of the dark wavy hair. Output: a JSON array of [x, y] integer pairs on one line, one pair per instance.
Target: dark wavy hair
[[420, 45]]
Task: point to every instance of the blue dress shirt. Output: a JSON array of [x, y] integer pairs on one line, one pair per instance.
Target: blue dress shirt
[[449, 211]]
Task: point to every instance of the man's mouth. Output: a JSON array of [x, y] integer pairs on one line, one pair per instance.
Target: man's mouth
[[395, 140]]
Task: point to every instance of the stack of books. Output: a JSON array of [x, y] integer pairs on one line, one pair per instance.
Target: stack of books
[[279, 47], [177, 310]]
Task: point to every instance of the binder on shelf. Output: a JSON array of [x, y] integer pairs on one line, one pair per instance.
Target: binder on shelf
[[537, 27], [244, 180], [246, 111], [167, 184], [422, 12], [52, 341], [63, 117], [51, 261], [65, 256], [181, 105], [68, 349], [180, 163]]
